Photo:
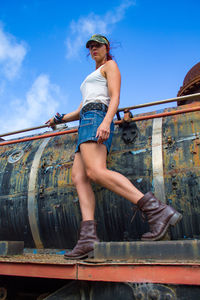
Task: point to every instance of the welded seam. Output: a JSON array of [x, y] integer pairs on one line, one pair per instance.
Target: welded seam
[[157, 160], [32, 202]]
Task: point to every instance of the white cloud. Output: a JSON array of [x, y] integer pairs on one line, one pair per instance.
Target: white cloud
[[12, 54], [41, 102], [88, 25]]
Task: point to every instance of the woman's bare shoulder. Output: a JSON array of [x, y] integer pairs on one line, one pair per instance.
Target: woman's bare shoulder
[[111, 65]]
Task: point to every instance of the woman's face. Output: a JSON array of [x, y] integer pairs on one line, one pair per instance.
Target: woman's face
[[98, 51]]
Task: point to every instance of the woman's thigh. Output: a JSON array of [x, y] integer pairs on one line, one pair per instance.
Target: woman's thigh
[[93, 155], [78, 169]]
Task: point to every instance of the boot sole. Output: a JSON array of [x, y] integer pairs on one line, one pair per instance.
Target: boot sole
[[86, 255], [172, 221]]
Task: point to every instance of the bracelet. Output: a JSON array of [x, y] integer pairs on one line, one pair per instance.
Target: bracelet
[[58, 118]]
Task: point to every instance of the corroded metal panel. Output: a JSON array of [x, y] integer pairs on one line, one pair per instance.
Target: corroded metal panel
[[148, 251], [32, 203], [14, 178], [56, 205], [181, 149]]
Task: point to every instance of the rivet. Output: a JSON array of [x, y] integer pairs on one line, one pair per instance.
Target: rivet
[[168, 297], [139, 296], [154, 294]]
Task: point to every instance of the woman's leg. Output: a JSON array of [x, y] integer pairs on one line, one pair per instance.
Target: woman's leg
[[94, 159], [87, 238], [160, 216], [84, 189]]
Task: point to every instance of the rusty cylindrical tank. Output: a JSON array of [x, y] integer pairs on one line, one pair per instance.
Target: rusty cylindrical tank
[[39, 204], [191, 84]]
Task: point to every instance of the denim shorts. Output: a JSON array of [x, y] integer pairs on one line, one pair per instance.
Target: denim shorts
[[88, 125]]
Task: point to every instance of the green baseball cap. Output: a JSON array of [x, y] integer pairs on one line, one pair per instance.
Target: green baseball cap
[[97, 38]]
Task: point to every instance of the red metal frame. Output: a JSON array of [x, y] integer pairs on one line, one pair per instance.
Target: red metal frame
[[165, 114], [186, 274]]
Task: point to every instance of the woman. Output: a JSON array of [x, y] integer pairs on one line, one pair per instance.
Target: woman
[[101, 93]]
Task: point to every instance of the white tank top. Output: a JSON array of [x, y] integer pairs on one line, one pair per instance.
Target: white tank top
[[95, 88]]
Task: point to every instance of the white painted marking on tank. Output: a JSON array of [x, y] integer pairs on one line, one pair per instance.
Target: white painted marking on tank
[[32, 202], [157, 160]]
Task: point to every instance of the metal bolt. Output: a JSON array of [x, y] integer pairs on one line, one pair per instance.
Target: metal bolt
[[169, 140], [3, 293], [154, 294], [168, 297], [139, 296]]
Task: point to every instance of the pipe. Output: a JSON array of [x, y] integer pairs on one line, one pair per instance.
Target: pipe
[[182, 98], [165, 114], [23, 130]]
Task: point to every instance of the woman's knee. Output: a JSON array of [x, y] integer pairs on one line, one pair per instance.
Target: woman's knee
[[94, 173], [78, 177]]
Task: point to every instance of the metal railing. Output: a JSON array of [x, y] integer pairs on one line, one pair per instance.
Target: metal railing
[[140, 118]]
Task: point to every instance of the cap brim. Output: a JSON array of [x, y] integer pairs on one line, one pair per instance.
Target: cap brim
[[93, 40]]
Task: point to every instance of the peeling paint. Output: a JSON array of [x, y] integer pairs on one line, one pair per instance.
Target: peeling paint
[[57, 201], [138, 151], [139, 180]]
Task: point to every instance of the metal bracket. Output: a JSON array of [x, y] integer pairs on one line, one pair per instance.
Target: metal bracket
[[129, 128]]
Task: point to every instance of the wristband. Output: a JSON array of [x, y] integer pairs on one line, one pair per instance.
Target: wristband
[[58, 118]]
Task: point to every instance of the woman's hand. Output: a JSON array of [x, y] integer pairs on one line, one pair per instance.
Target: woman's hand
[[103, 132], [50, 122]]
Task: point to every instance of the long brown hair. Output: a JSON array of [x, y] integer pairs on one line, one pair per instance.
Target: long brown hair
[[109, 55]]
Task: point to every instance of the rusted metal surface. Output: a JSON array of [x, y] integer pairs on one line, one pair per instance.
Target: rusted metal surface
[[166, 251], [191, 83], [127, 115], [38, 137], [42, 271], [182, 99], [118, 291], [168, 273], [138, 274], [3, 293], [181, 153], [55, 205], [51, 289], [146, 117], [11, 248], [32, 202]]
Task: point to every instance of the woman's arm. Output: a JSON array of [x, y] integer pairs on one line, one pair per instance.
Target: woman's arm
[[112, 74], [72, 116]]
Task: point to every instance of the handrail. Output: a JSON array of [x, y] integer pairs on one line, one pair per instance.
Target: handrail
[[140, 118], [182, 98], [23, 130]]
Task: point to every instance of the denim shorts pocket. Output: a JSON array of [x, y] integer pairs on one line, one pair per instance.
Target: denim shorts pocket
[[100, 113], [86, 122]]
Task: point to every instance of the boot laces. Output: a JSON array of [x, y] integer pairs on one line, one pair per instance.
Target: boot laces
[[136, 209]]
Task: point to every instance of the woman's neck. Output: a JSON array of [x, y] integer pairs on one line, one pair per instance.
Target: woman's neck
[[101, 63]]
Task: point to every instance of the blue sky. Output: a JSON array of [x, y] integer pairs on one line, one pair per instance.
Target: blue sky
[[43, 59]]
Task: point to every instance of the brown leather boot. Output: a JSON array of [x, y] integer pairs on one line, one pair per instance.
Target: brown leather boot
[[85, 245], [159, 215]]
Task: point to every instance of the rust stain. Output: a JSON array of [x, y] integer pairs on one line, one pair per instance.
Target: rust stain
[[58, 206]]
